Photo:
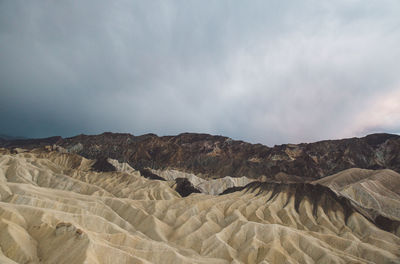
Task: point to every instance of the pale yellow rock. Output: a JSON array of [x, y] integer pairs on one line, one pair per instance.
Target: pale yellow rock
[[378, 190], [214, 186], [53, 209]]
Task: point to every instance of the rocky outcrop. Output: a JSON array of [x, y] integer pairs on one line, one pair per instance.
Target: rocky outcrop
[[210, 156], [184, 187], [150, 175], [211, 186], [102, 165], [375, 192], [320, 197]]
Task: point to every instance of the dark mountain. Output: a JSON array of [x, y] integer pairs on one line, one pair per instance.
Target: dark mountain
[[218, 156]]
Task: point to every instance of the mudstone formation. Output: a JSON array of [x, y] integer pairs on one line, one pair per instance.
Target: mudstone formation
[[197, 198]]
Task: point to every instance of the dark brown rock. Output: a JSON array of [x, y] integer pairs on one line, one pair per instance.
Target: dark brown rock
[[218, 156], [184, 187], [149, 175], [102, 165]]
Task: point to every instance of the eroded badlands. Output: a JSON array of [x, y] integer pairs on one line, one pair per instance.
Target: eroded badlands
[[55, 209]]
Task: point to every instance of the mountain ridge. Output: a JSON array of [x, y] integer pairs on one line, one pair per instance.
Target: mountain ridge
[[218, 156]]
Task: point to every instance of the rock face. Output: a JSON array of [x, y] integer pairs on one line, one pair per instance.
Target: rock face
[[375, 192], [102, 165], [322, 196], [211, 186], [216, 156], [184, 187], [55, 209]]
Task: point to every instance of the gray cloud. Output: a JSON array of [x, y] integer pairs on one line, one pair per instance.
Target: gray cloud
[[261, 71]]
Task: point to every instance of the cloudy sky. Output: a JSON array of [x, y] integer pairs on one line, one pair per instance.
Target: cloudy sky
[[261, 71]]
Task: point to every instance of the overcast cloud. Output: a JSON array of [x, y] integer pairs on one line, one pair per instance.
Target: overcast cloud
[[261, 71]]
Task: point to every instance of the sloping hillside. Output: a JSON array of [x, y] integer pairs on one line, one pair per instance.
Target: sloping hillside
[[55, 209]]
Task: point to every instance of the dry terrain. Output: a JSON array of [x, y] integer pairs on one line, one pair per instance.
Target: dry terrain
[[54, 208]]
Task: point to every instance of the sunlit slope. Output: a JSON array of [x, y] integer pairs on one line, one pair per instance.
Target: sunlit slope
[[211, 186], [375, 190], [53, 209]]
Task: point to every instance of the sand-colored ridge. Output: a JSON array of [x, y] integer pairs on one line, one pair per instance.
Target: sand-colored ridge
[[207, 186], [376, 191], [55, 209]]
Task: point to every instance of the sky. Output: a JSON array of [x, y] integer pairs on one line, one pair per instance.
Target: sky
[[269, 72]]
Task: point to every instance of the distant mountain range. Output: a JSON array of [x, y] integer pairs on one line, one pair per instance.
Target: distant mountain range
[[209, 156]]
